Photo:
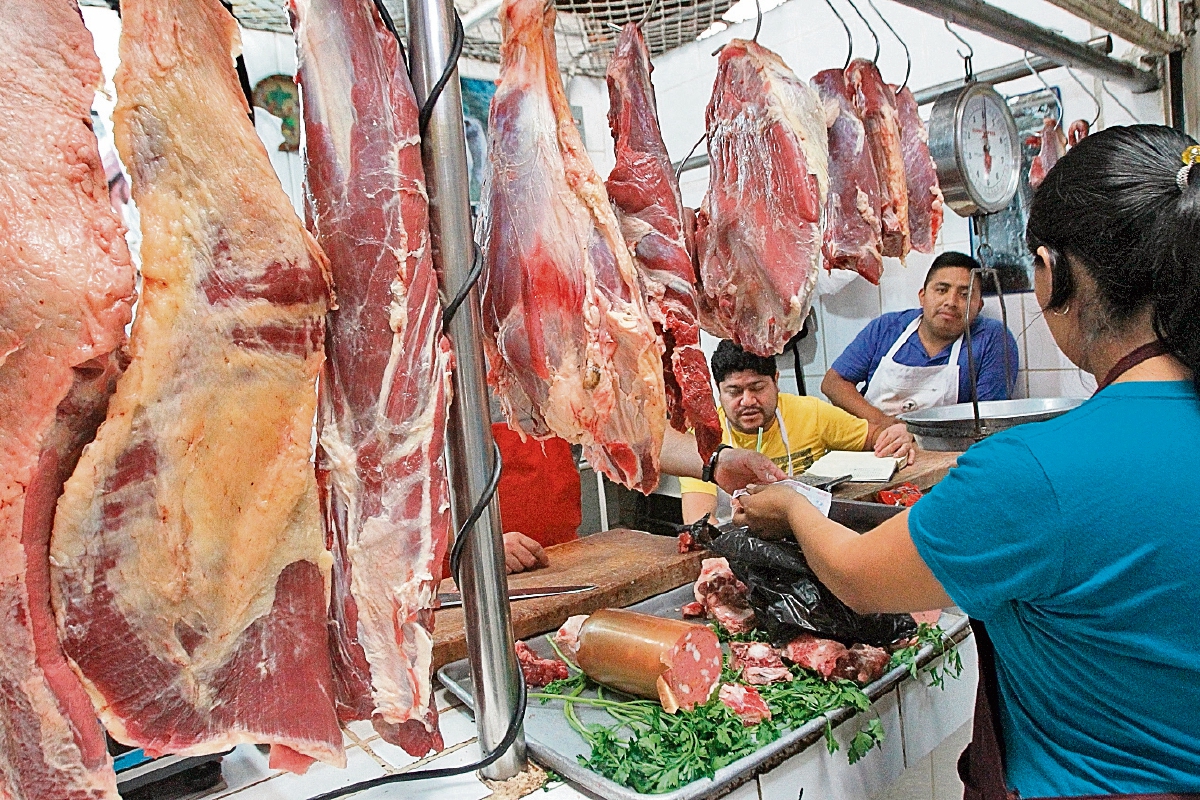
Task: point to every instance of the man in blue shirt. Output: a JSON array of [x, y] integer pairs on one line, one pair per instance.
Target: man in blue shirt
[[917, 359]]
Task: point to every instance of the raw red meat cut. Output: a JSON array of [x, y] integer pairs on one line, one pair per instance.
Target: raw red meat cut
[[758, 233], [862, 664], [1078, 131], [1053, 146], [571, 348], [190, 572], [927, 617], [385, 387], [723, 596], [920, 173], [876, 105], [66, 292], [678, 663], [643, 188], [819, 655], [746, 702], [759, 663], [853, 236], [539, 671], [695, 610]]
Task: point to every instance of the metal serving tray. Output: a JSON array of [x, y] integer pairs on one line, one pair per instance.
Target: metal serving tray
[[556, 745], [953, 427]]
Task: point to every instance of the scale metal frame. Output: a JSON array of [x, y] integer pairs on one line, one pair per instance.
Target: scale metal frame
[[947, 134]]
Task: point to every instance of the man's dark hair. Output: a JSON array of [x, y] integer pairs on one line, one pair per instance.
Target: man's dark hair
[[731, 358], [950, 258]]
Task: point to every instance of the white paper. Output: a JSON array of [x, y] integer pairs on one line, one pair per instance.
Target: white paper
[[820, 498], [865, 467]]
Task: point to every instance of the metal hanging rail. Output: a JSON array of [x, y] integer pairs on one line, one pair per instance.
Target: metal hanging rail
[[1131, 26], [1019, 32], [1006, 72], [482, 582]]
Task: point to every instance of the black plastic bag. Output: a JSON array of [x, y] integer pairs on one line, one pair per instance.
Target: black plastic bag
[[789, 600]]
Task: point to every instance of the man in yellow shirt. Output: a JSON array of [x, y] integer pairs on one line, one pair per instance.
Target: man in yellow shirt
[[790, 430]]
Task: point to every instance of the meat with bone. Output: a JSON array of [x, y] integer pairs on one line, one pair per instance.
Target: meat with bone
[[760, 663], [862, 664], [758, 233], [746, 702], [643, 188], [819, 655], [386, 382], [876, 105], [677, 663], [1053, 146], [723, 596], [190, 572], [66, 290], [920, 174], [571, 348], [853, 238], [539, 671]]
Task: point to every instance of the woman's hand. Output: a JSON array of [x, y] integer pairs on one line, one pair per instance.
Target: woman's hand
[[896, 441], [766, 510]]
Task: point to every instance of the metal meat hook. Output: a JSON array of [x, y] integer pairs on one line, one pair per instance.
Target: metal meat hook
[[849, 35], [966, 57], [1089, 93], [650, 9], [907, 55], [875, 36], [1046, 86]]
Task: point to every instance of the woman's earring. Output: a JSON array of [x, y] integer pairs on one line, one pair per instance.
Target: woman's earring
[[1063, 311]]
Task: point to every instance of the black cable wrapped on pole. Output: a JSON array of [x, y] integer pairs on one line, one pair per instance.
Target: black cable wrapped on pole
[[434, 42]]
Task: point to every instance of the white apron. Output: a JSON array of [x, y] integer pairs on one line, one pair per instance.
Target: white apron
[[724, 511], [898, 389]]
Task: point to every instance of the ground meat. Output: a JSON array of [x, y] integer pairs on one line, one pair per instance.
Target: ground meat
[[539, 671]]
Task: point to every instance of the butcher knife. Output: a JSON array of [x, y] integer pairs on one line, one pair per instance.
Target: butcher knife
[[452, 599]]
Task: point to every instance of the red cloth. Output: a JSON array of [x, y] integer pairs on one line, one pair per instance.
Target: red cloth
[[539, 487]]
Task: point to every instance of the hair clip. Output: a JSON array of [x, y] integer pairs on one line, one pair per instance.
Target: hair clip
[[1190, 156]]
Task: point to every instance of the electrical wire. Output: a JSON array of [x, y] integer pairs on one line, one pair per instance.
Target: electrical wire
[[467, 529]]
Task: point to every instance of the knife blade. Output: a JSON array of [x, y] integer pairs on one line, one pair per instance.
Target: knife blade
[[453, 599]]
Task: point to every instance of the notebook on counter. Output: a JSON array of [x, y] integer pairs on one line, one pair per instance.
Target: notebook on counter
[[865, 467]]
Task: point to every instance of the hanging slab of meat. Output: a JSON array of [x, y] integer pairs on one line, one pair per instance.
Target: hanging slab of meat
[[876, 105], [853, 238], [386, 384], [66, 291], [190, 573], [643, 188], [677, 663], [920, 174], [571, 348], [1053, 147], [758, 232], [746, 702]]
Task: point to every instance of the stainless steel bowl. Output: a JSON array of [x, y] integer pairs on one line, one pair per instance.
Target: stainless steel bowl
[[953, 427]]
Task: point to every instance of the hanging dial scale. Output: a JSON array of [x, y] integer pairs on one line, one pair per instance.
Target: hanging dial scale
[[973, 141]]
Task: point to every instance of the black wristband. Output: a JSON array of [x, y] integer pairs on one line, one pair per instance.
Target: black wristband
[[706, 474]]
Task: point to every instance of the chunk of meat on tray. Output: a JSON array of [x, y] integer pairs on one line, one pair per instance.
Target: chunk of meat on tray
[[539, 671], [693, 610], [862, 664], [724, 597], [567, 637], [819, 655], [677, 663], [760, 663], [927, 617], [746, 702]]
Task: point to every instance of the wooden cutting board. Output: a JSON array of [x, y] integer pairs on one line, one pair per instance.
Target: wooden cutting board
[[626, 567]]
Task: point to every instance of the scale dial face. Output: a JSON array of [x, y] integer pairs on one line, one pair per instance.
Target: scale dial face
[[973, 140], [987, 149]]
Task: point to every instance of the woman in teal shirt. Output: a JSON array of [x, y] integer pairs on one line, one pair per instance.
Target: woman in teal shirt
[[1076, 542]]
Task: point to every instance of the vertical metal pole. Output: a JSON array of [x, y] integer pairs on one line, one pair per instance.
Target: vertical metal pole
[[484, 584]]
